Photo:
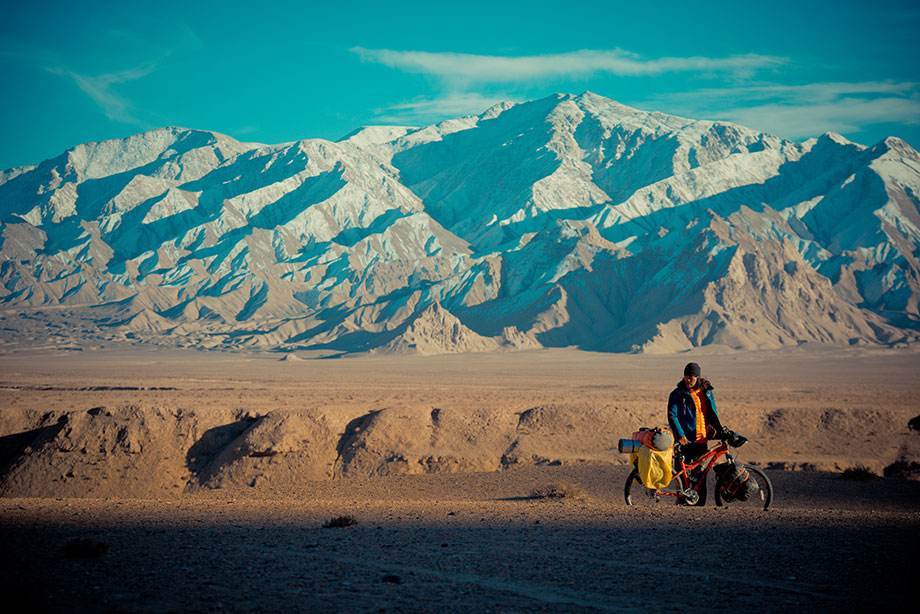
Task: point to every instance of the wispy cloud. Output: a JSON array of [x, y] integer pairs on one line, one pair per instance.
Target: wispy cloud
[[430, 110], [467, 68], [815, 92], [101, 89], [465, 76], [844, 115], [803, 110], [155, 46]]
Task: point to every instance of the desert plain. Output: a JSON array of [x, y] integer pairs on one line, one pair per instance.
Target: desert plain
[[149, 479]]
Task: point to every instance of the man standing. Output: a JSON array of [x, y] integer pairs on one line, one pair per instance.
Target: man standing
[[692, 413]]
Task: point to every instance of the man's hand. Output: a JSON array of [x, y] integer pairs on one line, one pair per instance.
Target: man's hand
[[684, 441]]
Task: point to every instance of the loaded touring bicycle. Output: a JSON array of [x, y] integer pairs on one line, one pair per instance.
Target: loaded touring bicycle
[[737, 484]]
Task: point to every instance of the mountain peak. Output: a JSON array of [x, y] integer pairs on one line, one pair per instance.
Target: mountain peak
[[375, 135], [588, 95], [837, 138], [435, 330], [497, 109], [893, 143]]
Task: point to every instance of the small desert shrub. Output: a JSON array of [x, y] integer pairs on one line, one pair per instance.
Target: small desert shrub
[[859, 473], [339, 522], [903, 469], [559, 491]]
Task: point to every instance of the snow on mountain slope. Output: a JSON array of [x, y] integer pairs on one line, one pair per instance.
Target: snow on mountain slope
[[569, 220]]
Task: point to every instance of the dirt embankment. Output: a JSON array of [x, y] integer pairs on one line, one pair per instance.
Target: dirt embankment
[[132, 451]]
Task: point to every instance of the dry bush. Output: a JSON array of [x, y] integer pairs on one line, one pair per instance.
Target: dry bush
[[558, 491], [340, 522], [858, 473], [903, 469]]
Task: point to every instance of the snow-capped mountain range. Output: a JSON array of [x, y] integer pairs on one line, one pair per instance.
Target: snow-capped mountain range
[[565, 221]]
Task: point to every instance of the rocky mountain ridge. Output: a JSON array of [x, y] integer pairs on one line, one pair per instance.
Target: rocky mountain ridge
[[565, 221]]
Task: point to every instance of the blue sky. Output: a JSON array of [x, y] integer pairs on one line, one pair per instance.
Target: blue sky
[[81, 71]]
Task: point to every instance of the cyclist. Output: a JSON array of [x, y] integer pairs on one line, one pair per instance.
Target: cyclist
[[692, 413]]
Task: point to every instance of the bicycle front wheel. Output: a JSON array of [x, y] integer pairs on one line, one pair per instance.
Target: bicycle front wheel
[[760, 500]]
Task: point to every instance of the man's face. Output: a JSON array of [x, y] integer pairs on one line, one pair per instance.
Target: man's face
[[690, 380]]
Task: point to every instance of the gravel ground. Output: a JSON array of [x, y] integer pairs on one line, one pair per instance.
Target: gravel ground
[[470, 542]]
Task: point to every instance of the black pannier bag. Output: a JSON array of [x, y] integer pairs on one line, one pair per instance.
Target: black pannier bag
[[735, 482]]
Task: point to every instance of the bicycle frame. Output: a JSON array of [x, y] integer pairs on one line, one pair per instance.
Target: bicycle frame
[[708, 459]]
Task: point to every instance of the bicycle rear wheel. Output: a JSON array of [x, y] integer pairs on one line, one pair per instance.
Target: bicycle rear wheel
[[637, 495], [759, 501]]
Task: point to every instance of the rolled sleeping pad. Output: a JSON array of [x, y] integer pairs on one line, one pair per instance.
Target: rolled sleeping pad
[[662, 440], [628, 446], [659, 440]]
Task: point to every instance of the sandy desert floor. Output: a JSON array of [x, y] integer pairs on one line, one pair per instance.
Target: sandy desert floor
[[207, 477]]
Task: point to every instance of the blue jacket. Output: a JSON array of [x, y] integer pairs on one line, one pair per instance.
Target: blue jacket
[[682, 411]]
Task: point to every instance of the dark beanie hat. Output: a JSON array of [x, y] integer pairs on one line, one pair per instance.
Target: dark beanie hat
[[692, 369]]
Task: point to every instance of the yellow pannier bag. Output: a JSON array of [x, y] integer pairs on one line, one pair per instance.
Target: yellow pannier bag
[[655, 468]]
